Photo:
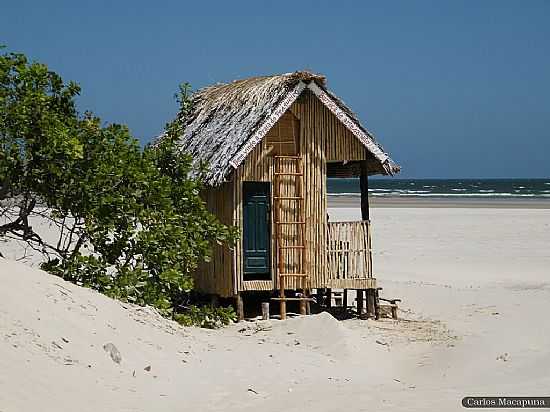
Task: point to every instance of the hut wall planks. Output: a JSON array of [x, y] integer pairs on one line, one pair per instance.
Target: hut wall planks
[[216, 276]]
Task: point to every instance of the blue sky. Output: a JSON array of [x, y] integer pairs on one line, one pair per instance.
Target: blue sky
[[450, 88]]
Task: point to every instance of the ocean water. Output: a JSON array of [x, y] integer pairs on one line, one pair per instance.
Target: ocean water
[[479, 188]]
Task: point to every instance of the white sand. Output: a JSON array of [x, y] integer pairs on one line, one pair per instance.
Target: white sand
[[476, 290]]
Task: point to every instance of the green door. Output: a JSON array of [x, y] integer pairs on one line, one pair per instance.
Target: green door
[[256, 231]]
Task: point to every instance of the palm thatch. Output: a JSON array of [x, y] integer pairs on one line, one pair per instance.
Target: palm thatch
[[226, 120]]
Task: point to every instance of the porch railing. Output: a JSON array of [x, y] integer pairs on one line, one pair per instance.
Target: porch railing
[[349, 250]]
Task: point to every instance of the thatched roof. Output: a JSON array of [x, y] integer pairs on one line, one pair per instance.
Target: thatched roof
[[228, 120]]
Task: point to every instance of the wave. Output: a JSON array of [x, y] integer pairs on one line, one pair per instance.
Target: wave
[[352, 194], [488, 188], [414, 193], [467, 195], [487, 195]]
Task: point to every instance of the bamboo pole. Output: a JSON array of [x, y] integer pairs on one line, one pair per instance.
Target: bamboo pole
[[364, 185], [360, 302], [345, 301], [240, 307], [371, 303], [329, 298], [282, 302], [265, 310], [303, 308]]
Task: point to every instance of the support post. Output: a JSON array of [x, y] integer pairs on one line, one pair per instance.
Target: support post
[[240, 307], [319, 296], [265, 310], [345, 301], [359, 302], [371, 303], [303, 308], [364, 185], [282, 302], [394, 311], [377, 304], [329, 298]]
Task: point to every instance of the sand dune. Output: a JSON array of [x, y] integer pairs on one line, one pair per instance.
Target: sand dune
[[476, 292]]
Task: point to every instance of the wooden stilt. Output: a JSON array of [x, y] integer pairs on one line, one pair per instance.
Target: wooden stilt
[[377, 304], [371, 297], [240, 307], [394, 311], [329, 298], [320, 294], [345, 301], [265, 310], [359, 302], [282, 302], [303, 309]]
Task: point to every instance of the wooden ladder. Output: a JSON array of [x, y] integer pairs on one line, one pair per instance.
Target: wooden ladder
[[297, 244]]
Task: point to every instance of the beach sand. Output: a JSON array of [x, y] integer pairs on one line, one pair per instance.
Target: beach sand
[[442, 202], [475, 284]]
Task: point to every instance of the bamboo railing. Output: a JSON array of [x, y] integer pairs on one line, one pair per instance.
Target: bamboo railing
[[349, 250]]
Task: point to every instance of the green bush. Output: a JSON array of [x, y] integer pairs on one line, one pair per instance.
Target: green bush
[[131, 222], [206, 316]]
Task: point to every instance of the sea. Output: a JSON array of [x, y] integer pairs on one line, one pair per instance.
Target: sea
[[451, 188]]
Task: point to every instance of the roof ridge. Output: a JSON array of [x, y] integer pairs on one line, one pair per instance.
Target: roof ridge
[[303, 75]]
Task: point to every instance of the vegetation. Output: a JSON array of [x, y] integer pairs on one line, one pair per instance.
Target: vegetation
[[131, 223], [206, 316]]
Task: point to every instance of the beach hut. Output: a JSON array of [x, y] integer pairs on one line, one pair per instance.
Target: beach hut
[[270, 144]]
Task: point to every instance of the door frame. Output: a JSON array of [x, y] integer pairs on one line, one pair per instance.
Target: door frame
[[269, 276]]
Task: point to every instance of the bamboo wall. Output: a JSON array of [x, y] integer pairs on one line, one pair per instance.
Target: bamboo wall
[[216, 276], [322, 139], [282, 137], [349, 255]]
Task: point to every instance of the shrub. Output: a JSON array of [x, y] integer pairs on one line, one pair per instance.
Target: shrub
[[131, 222]]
